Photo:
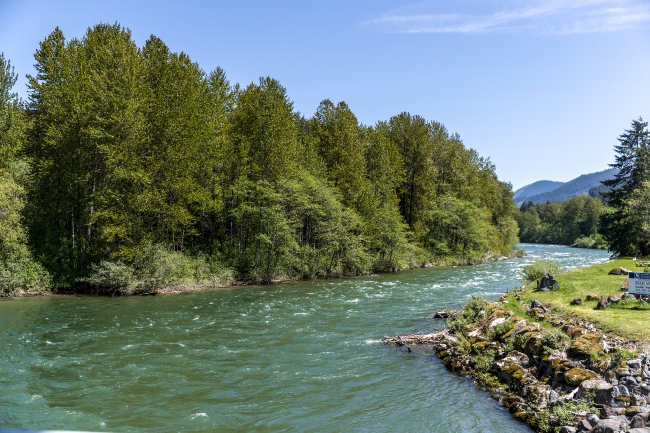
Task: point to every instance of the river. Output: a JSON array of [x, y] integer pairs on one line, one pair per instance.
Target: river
[[296, 357]]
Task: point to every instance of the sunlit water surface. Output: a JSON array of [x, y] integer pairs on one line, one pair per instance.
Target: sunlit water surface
[[287, 357]]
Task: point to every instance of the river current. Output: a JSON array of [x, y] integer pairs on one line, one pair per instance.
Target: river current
[[299, 357]]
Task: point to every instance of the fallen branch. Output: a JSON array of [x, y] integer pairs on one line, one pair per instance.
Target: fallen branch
[[414, 339]]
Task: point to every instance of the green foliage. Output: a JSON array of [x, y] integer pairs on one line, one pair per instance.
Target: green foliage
[[574, 222], [18, 270], [552, 340], [471, 312], [622, 354], [536, 269], [143, 163], [596, 241], [561, 415], [483, 361], [156, 269], [503, 328]]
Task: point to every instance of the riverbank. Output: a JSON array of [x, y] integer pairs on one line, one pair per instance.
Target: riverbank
[[188, 286], [557, 364]]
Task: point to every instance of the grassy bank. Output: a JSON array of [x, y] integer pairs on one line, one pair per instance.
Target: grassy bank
[[627, 318]]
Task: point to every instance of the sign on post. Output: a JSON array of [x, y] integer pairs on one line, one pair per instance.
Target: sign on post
[[638, 283]]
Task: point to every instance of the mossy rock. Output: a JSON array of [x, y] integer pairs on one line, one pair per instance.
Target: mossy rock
[[576, 376], [500, 313], [468, 329], [575, 330], [482, 346], [533, 341], [588, 345], [525, 417], [509, 370], [559, 365]]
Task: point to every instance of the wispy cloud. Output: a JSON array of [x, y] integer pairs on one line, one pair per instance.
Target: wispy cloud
[[556, 17]]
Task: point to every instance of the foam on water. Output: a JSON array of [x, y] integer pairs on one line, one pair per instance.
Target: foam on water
[[305, 356]]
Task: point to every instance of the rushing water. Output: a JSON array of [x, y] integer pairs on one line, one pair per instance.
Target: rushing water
[[288, 357]]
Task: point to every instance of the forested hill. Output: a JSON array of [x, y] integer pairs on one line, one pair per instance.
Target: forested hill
[[539, 187], [578, 186], [130, 168]]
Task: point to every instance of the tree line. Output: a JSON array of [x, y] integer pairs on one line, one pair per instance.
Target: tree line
[[573, 222], [618, 219], [129, 168]]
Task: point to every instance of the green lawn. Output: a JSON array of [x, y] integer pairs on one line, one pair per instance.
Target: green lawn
[[630, 320]]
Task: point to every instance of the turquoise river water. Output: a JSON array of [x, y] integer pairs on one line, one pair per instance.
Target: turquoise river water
[[301, 357]]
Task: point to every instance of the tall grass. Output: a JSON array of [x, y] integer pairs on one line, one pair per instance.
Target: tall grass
[[538, 268]]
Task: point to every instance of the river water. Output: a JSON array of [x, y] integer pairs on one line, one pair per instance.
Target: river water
[[286, 357]]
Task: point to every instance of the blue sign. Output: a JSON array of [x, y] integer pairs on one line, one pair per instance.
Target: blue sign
[[638, 283]]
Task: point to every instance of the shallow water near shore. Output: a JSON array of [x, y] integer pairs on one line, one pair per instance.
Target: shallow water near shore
[[297, 357]]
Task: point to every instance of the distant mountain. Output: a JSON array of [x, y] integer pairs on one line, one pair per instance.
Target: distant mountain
[[539, 187], [578, 186]]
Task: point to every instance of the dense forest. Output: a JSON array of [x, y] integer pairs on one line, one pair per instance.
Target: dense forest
[[573, 222], [130, 168]]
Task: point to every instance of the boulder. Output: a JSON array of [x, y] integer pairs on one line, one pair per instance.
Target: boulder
[[518, 357], [536, 304], [584, 425], [593, 419], [577, 301], [615, 397], [592, 386], [540, 395], [588, 345], [508, 370], [619, 271], [634, 364], [546, 282], [602, 303], [609, 426], [567, 429], [638, 421], [576, 376]]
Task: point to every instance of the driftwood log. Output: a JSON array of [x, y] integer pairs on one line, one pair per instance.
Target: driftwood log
[[414, 339]]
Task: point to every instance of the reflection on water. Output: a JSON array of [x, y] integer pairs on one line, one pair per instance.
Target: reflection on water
[[288, 357]]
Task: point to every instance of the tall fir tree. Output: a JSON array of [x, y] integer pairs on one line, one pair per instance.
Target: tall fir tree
[[633, 162]]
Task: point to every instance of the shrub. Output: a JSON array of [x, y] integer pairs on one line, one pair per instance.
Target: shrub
[[595, 241], [561, 415], [23, 274], [553, 339], [483, 361], [115, 277], [503, 328], [470, 314], [536, 269]]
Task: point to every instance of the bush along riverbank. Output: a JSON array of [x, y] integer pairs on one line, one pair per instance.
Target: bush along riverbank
[[553, 372]]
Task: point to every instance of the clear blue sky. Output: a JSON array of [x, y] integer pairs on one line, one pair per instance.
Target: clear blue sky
[[541, 87]]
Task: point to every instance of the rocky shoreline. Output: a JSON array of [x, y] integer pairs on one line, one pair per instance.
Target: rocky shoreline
[[555, 374]]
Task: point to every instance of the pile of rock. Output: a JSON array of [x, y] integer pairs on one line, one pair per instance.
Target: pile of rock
[[536, 378]]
